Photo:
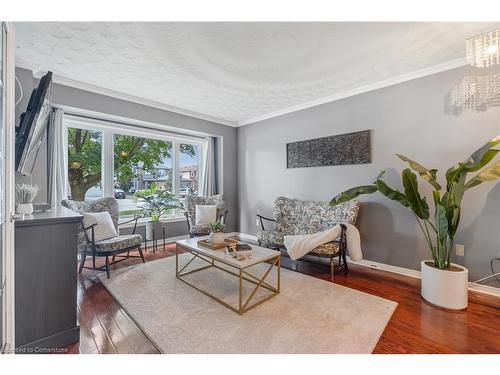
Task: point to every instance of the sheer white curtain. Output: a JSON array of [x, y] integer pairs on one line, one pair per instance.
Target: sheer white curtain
[[57, 159], [209, 176]]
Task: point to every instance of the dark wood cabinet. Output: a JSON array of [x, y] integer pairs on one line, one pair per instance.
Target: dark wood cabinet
[[46, 281]]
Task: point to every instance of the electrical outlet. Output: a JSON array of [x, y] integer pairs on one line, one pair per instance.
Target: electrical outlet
[[460, 250]]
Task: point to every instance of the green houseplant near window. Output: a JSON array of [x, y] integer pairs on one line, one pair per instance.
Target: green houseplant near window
[[157, 203], [440, 228]]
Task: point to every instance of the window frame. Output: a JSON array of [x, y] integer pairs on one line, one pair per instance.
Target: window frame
[[110, 128]]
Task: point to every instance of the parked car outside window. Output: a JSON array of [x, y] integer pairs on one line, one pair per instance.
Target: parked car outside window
[[120, 194]]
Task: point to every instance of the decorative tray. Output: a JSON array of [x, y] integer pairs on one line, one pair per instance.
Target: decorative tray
[[240, 251], [208, 245]]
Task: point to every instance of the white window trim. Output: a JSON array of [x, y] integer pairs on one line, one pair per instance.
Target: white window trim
[[108, 130], [143, 221]]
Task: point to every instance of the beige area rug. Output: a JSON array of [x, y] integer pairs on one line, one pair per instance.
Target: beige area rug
[[309, 316]]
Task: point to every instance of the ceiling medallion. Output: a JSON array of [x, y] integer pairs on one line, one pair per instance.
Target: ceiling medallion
[[483, 50]]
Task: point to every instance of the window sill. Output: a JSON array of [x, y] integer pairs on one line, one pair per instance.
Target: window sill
[[142, 222]]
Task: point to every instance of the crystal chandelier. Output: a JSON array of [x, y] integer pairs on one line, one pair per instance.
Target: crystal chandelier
[[476, 93], [483, 50]]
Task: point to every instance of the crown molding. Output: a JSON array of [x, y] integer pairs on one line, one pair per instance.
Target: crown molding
[[37, 73], [135, 99], [453, 64]]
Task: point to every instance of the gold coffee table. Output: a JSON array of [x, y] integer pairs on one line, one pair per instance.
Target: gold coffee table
[[215, 257]]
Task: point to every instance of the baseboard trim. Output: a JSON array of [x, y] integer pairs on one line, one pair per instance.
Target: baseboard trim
[[386, 267], [243, 235], [394, 269], [485, 289], [169, 240]]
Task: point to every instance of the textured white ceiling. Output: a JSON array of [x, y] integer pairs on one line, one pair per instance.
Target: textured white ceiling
[[238, 71]]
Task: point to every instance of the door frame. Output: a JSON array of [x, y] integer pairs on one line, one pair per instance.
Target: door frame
[[8, 264]]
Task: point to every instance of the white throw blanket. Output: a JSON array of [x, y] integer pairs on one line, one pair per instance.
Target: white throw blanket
[[299, 245]]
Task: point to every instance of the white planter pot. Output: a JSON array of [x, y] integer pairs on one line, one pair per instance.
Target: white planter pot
[[216, 238], [445, 288], [25, 208], [157, 228]]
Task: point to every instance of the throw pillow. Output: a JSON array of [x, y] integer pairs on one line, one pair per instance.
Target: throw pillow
[[205, 214], [104, 228]]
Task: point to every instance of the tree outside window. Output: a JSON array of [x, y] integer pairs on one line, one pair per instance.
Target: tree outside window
[[134, 158]]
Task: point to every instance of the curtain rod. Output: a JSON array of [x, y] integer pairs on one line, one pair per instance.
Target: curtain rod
[[119, 120]]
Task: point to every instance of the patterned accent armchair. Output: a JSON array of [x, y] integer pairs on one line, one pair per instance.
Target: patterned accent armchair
[[190, 212], [112, 247], [294, 216]]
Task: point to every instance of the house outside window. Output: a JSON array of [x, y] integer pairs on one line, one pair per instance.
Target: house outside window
[[189, 165]]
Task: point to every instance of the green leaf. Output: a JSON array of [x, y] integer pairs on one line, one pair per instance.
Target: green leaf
[[417, 203], [491, 173], [452, 199], [457, 189], [390, 193], [476, 161], [441, 222], [426, 174], [453, 216], [352, 193], [490, 154], [453, 173], [436, 196], [482, 156]]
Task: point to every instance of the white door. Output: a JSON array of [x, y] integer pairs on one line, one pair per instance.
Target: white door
[[7, 135]]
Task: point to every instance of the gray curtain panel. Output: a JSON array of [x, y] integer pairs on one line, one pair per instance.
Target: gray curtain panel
[[57, 159], [209, 176]]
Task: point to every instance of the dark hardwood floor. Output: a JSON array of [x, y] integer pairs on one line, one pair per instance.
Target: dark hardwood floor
[[415, 327]]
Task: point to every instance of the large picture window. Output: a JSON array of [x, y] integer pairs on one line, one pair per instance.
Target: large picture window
[[140, 164], [84, 163], [189, 169], [107, 160]]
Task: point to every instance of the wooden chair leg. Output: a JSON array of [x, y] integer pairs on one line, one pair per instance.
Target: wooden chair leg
[[113, 259], [142, 255], [344, 257], [83, 256], [107, 266], [332, 267]]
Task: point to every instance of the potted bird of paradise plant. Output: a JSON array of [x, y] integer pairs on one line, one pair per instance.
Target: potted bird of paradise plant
[[443, 284]]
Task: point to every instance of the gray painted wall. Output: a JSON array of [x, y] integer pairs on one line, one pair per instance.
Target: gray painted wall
[[69, 96], [409, 118]]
